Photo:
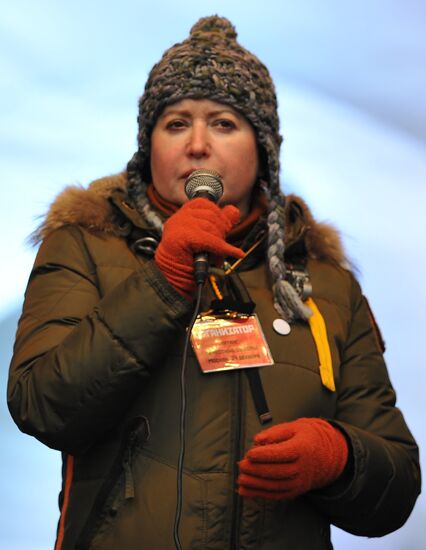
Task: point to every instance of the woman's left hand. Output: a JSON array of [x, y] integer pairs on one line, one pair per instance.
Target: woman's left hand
[[292, 458]]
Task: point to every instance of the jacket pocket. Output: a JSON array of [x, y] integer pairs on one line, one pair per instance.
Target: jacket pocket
[[118, 484], [147, 520]]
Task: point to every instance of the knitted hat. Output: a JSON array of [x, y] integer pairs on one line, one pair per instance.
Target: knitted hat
[[211, 64]]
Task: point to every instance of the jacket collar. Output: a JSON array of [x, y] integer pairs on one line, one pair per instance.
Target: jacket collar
[[106, 207]]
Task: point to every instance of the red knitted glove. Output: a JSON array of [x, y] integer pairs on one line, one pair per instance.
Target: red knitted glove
[[198, 226], [293, 458]]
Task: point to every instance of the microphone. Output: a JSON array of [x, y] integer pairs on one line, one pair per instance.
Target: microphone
[[205, 184]]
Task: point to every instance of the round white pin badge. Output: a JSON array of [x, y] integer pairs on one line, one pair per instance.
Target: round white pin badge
[[281, 326]]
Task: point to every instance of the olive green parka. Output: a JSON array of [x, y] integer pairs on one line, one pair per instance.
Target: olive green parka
[[95, 374]]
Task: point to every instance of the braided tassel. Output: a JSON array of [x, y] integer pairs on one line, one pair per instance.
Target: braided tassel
[[137, 191], [286, 300]]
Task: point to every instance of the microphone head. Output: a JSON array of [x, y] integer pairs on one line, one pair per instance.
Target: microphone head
[[204, 183]]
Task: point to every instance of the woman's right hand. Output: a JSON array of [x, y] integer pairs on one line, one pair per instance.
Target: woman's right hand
[[198, 226]]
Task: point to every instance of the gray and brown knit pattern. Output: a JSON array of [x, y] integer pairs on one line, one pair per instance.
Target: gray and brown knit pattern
[[211, 64]]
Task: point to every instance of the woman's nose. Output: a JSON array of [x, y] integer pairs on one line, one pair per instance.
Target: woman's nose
[[198, 144]]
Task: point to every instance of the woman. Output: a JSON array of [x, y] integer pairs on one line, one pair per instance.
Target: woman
[[274, 455]]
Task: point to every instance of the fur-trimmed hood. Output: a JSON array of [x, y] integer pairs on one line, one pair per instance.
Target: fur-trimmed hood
[[91, 208]]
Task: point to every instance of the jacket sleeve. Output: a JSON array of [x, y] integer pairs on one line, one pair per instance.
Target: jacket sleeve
[[382, 481], [79, 358]]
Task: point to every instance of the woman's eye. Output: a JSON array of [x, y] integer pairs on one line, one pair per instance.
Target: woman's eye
[[175, 124], [226, 124]]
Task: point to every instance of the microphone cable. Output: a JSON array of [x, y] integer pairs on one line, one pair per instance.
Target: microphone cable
[[182, 422], [204, 183]]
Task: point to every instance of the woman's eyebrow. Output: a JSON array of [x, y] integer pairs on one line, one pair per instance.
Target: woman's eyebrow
[[223, 111], [189, 114], [174, 112]]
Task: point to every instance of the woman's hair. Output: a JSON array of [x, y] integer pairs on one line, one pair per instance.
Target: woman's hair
[[211, 64]]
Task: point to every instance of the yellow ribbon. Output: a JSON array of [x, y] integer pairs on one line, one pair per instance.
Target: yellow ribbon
[[319, 333]]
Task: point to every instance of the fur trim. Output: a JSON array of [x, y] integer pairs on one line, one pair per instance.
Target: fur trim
[[322, 240], [76, 205], [89, 208]]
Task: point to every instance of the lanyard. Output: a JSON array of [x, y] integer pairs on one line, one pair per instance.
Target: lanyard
[[253, 374]]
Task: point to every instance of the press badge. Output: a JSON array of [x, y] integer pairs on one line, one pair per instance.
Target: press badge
[[229, 343]]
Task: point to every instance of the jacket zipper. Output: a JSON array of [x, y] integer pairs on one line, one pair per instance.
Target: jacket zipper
[[236, 502]]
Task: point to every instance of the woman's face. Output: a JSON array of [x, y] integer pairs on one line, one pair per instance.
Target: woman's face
[[199, 133]]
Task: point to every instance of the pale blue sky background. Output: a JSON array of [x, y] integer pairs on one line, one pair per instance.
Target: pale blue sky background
[[351, 82]]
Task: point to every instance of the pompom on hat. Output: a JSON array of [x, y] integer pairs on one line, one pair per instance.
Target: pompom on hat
[[211, 64]]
